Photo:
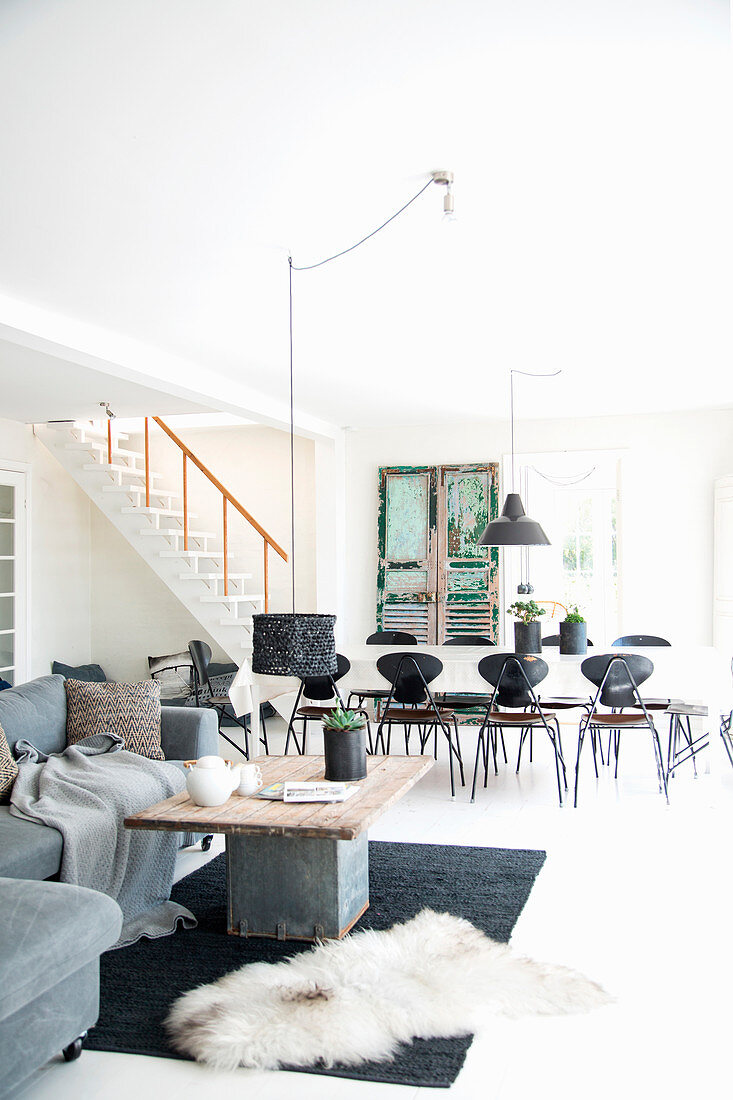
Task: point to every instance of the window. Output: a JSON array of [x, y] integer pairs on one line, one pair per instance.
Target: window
[[574, 495]]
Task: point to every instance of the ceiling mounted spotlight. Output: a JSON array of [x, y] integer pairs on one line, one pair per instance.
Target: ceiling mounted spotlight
[[105, 405], [445, 179]]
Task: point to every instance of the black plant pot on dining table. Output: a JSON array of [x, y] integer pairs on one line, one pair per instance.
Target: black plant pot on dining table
[[345, 754], [527, 638], [573, 638]]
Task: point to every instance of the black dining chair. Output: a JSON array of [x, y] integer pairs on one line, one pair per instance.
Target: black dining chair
[[561, 702], [380, 637], [206, 696], [514, 676], [646, 641], [468, 701], [617, 678], [410, 702], [323, 695]]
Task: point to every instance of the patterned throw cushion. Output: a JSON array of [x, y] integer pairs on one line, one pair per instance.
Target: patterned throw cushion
[[8, 768], [130, 710]]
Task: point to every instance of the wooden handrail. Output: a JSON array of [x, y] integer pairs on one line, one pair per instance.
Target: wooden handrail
[[227, 498], [225, 492]]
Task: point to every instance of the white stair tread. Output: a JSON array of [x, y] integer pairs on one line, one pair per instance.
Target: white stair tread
[[189, 553], [141, 510], [214, 576], [86, 429], [139, 490], [115, 468], [101, 448], [247, 597], [244, 621], [177, 531]]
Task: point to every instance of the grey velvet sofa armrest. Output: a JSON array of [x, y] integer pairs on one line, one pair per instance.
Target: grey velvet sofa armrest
[[188, 732]]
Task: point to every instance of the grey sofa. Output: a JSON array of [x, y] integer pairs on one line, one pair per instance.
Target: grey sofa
[[36, 711], [52, 933], [52, 936]]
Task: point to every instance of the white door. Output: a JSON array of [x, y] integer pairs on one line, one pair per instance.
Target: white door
[[14, 633], [723, 574]]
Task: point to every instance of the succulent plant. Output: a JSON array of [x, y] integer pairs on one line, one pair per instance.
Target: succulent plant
[[525, 612], [573, 615], [343, 720]]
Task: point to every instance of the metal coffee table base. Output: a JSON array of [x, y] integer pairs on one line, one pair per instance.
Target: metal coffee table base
[[296, 888]]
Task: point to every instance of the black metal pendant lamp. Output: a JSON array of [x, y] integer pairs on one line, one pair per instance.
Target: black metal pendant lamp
[[514, 527]]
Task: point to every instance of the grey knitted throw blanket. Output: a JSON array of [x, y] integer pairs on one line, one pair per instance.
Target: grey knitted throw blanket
[[86, 792]]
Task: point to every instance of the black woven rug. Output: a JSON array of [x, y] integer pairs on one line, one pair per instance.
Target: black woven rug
[[488, 886]]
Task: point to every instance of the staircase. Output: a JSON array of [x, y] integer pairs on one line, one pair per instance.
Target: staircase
[[155, 521]]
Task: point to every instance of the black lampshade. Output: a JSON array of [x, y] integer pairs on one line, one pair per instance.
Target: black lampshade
[[293, 645], [514, 527]]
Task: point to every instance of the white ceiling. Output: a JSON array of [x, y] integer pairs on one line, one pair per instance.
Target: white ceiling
[[37, 387], [159, 161]]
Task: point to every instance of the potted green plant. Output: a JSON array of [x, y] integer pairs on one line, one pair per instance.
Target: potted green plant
[[527, 630], [344, 744], [573, 632]]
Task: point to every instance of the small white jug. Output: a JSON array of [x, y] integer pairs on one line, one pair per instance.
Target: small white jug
[[250, 779], [210, 780]]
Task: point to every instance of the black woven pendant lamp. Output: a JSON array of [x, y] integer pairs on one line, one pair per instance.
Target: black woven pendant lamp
[[293, 644], [514, 527], [297, 644]]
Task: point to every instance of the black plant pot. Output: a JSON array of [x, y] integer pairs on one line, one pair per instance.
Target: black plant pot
[[573, 638], [527, 638], [345, 753]]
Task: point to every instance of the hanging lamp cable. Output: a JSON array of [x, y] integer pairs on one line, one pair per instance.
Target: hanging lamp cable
[[310, 267], [292, 438]]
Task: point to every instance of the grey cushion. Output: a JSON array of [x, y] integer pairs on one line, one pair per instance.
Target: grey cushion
[[188, 732], [92, 674], [28, 849], [50, 929], [36, 711]]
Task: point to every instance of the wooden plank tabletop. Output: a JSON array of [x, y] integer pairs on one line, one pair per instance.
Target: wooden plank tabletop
[[388, 779]]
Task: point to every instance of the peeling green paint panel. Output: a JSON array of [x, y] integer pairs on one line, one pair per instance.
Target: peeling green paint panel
[[407, 509], [407, 580], [467, 512], [471, 581]]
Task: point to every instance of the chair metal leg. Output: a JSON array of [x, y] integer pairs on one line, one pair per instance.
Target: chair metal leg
[[479, 746], [263, 727]]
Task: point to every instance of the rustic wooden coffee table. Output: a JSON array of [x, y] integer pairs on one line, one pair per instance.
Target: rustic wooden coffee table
[[294, 870]]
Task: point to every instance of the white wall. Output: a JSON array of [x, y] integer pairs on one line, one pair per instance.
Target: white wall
[[253, 462], [666, 536], [59, 531], [134, 615]]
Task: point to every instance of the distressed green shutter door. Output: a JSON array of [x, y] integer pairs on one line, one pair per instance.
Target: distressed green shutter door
[[408, 571], [468, 588]]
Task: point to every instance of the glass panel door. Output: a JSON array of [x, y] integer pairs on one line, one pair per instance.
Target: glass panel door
[[13, 596]]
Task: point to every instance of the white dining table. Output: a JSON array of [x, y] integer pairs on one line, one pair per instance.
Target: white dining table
[[696, 674]]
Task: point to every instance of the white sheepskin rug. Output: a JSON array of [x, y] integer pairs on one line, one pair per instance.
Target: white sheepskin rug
[[356, 999]]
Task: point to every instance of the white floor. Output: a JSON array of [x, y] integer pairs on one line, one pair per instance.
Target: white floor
[[634, 893]]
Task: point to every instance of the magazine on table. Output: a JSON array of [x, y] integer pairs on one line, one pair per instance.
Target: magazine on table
[[319, 790]]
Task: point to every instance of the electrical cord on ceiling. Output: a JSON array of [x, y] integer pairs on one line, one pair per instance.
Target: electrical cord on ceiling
[[310, 267]]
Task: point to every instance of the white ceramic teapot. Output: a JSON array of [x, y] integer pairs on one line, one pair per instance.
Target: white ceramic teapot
[[211, 780]]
